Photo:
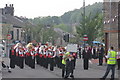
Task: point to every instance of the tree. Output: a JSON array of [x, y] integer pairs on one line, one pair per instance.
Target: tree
[[64, 27], [42, 33], [91, 28]]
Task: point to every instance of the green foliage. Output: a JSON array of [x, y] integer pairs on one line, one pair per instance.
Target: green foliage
[[92, 27], [72, 17], [49, 35], [43, 34], [46, 20], [64, 27]]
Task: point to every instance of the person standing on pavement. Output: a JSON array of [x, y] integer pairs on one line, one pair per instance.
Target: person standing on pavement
[[118, 59], [111, 63], [85, 58], [12, 56], [101, 55], [94, 52], [79, 51]]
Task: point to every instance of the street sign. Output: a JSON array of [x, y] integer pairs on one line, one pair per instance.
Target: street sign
[[85, 38], [9, 36]]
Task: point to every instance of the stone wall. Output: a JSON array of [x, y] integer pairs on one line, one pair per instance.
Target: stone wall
[[111, 19]]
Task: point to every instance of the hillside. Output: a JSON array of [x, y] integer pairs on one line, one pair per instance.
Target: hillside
[[69, 18], [74, 16]]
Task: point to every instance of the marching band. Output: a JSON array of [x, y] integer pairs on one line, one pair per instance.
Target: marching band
[[31, 54]]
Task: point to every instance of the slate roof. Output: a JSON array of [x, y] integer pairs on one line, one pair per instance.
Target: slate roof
[[61, 32], [14, 20]]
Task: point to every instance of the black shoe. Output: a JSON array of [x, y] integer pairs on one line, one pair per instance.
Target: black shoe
[[112, 79], [9, 71], [118, 69], [62, 77], [72, 76], [66, 77], [99, 65]]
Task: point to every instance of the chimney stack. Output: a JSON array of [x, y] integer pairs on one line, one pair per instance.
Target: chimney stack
[[9, 9]]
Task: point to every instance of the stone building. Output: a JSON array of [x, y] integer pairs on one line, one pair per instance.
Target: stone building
[[112, 23], [11, 24]]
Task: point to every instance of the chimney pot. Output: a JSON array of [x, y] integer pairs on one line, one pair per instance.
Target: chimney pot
[[6, 5], [12, 5]]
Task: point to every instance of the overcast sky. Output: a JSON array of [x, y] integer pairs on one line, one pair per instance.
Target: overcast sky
[[35, 8]]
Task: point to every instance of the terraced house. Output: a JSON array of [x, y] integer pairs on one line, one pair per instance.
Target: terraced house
[[12, 25]]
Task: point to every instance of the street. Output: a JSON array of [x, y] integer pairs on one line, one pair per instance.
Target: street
[[94, 71]]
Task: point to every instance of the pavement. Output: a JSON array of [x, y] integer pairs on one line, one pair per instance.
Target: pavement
[[94, 71]]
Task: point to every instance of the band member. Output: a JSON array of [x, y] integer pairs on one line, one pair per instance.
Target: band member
[[30, 56], [16, 47], [51, 56], [41, 57], [32, 65], [37, 53], [21, 57], [46, 58]]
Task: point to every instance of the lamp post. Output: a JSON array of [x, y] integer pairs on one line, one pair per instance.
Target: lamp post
[[23, 35], [42, 35], [84, 20], [84, 14], [110, 17], [50, 39]]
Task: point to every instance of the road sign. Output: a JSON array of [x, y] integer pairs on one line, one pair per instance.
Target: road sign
[[9, 36], [85, 38]]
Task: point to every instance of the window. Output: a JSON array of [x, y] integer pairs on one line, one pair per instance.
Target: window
[[17, 34]]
